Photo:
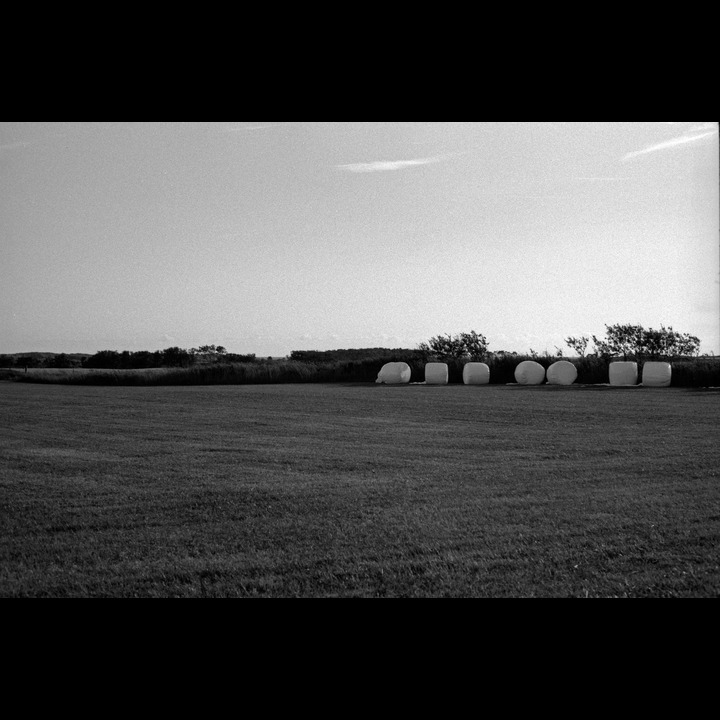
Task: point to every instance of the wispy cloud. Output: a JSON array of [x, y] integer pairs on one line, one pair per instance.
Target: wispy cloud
[[699, 132], [388, 165]]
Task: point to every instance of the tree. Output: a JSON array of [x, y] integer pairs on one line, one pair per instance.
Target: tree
[[238, 358], [476, 345], [176, 357], [625, 340], [442, 347], [61, 361], [103, 359], [636, 342], [209, 353], [667, 344], [687, 344], [143, 359], [578, 344], [465, 346]]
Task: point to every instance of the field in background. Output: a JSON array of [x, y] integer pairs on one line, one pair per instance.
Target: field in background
[[359, 490]]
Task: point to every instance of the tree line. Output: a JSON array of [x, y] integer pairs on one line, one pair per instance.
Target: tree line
[[620, 341], [169, 357], [129, 360], [626, 341], [634, 342]]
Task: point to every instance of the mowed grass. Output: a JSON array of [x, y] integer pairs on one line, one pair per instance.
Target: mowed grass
[[364, 490]]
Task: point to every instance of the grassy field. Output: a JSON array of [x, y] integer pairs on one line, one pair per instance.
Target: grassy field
[[359, 490]]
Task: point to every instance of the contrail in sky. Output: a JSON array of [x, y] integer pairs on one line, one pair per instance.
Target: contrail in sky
[[693, 135], [387, 165]]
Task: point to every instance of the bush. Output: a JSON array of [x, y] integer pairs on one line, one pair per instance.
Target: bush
[[701, 372], [592, 370]]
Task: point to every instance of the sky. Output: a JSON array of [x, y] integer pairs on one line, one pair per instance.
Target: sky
[[269, 237]]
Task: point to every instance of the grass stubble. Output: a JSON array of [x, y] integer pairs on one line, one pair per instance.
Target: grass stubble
[[358, 490]]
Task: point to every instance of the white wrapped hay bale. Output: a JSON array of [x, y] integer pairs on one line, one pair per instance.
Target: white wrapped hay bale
[[562, 372], [656, 374], [623, 373], [436, 374], [394, 373], [529, 372], [476, 373]]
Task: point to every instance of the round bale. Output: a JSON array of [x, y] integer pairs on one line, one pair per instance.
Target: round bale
[[562, 372], [394, 373], [656, 374], [476, 373], [436, 373], [529, 372], [623, 373]]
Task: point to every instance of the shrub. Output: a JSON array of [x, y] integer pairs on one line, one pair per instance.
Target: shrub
[[696, 372], [700, 372], [634, 342], [469, 346]]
